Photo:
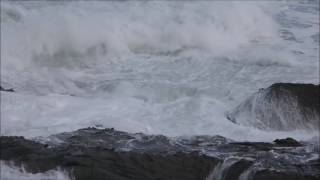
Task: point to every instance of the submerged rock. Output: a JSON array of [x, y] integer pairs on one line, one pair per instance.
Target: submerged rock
[[282, 106], [7, 90]]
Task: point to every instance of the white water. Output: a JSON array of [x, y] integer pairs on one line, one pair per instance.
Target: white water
[[159, 67], [9, 171], [219, 172]]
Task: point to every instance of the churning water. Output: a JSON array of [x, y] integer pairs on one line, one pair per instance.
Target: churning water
[[158, 67]]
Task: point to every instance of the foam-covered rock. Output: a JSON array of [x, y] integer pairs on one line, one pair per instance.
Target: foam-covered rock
[[282, 106]]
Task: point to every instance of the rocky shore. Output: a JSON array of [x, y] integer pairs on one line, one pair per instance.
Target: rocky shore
[[100, 154], [108, 154]]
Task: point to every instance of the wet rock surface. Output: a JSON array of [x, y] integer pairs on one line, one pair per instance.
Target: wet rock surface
[[282, 106], [96, 161], [93, 153], [307, 94], [287, 142]]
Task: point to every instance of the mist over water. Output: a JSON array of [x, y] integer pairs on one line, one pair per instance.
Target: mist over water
[[158, 67]]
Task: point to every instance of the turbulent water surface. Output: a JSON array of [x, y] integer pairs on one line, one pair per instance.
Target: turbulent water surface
[[159, 67]]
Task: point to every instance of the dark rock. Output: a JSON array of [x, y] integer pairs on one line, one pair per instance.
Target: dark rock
[[236, 169], [307, 94], [95, 163], [256, 146], [99, 154], [280, 175], [7, 90], [289, 142], [282, 106]]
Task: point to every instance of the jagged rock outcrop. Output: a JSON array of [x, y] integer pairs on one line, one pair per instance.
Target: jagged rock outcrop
[[282, 106]]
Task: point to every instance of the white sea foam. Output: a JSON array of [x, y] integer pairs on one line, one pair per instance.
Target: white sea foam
[[161, 67], [9, 171]]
